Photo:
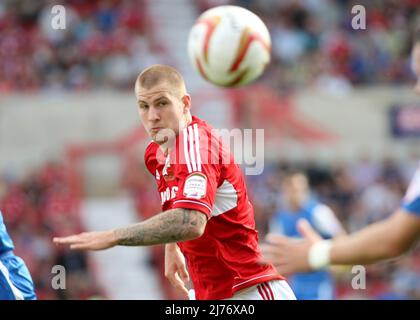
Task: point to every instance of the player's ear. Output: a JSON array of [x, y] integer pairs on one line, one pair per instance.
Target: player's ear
[[186, 100]]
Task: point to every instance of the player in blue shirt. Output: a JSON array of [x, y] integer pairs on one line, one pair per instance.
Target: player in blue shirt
[[299, 204], [15, 280], [382, 240]]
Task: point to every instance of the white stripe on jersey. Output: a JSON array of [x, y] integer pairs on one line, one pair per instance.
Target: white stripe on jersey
[[195, 202], [18, 295], [197, 146], [191, 147], [187, 158], [225, 200]]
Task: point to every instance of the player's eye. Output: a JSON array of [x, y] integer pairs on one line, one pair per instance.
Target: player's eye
[[162, 103], [143, 106]]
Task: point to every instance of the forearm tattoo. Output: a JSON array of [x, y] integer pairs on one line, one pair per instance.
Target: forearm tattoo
[[169, 226]]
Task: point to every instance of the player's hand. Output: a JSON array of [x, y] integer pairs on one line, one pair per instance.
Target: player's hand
[[175, 269], [290, 255], [89, 240]]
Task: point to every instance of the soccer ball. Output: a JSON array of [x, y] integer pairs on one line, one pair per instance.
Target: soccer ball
[[229, 46]]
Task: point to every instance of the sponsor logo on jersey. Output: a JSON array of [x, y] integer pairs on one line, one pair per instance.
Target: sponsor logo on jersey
[[168, 194]]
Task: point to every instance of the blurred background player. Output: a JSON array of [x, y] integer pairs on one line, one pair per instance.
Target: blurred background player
[[15, 280], [382, 240], [298, 203], [206, 212]]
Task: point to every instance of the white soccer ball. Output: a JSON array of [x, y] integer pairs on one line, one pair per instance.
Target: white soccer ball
[[229, 46]]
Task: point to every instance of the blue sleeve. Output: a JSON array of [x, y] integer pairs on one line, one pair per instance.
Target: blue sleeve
[[413, 206]]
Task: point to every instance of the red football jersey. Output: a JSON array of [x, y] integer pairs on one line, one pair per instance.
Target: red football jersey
[[200, 174]]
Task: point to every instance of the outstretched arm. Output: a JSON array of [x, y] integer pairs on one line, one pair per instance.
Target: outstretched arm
[[382, 240], [169, 226]]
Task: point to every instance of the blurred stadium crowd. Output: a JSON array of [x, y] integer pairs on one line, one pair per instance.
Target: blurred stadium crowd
[[107, 42], [314, 43], [359, 193], [35, 209], [41, 206]]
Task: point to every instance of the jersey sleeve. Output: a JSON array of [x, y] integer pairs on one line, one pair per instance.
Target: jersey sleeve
[[325, 221], [411, 200], [197, 171]]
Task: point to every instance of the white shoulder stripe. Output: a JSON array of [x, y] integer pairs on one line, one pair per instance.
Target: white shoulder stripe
[[197, 146], [187, 158], [195, 202], [191, 147]]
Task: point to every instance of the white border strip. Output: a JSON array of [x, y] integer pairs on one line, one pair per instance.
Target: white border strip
[[197, 146], [195, 202], [191, 147], [16, 292], [187, 158]]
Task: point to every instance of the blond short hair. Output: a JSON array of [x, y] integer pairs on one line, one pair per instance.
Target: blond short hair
[[158, 74]]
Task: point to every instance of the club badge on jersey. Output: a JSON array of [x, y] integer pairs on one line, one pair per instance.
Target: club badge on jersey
[[195, 186]]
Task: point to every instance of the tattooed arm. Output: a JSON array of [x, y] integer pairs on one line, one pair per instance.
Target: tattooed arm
[[169, 226]]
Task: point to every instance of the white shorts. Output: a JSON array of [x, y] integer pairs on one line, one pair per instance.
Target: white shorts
[[271, 290]]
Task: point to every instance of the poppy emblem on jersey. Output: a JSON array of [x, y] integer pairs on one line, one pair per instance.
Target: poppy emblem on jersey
[[195, 186]]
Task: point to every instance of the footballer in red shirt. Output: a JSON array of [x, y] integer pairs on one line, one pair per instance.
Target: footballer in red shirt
[[207, 221]]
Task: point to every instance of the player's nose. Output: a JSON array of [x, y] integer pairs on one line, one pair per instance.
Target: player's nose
[[153, 114]]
